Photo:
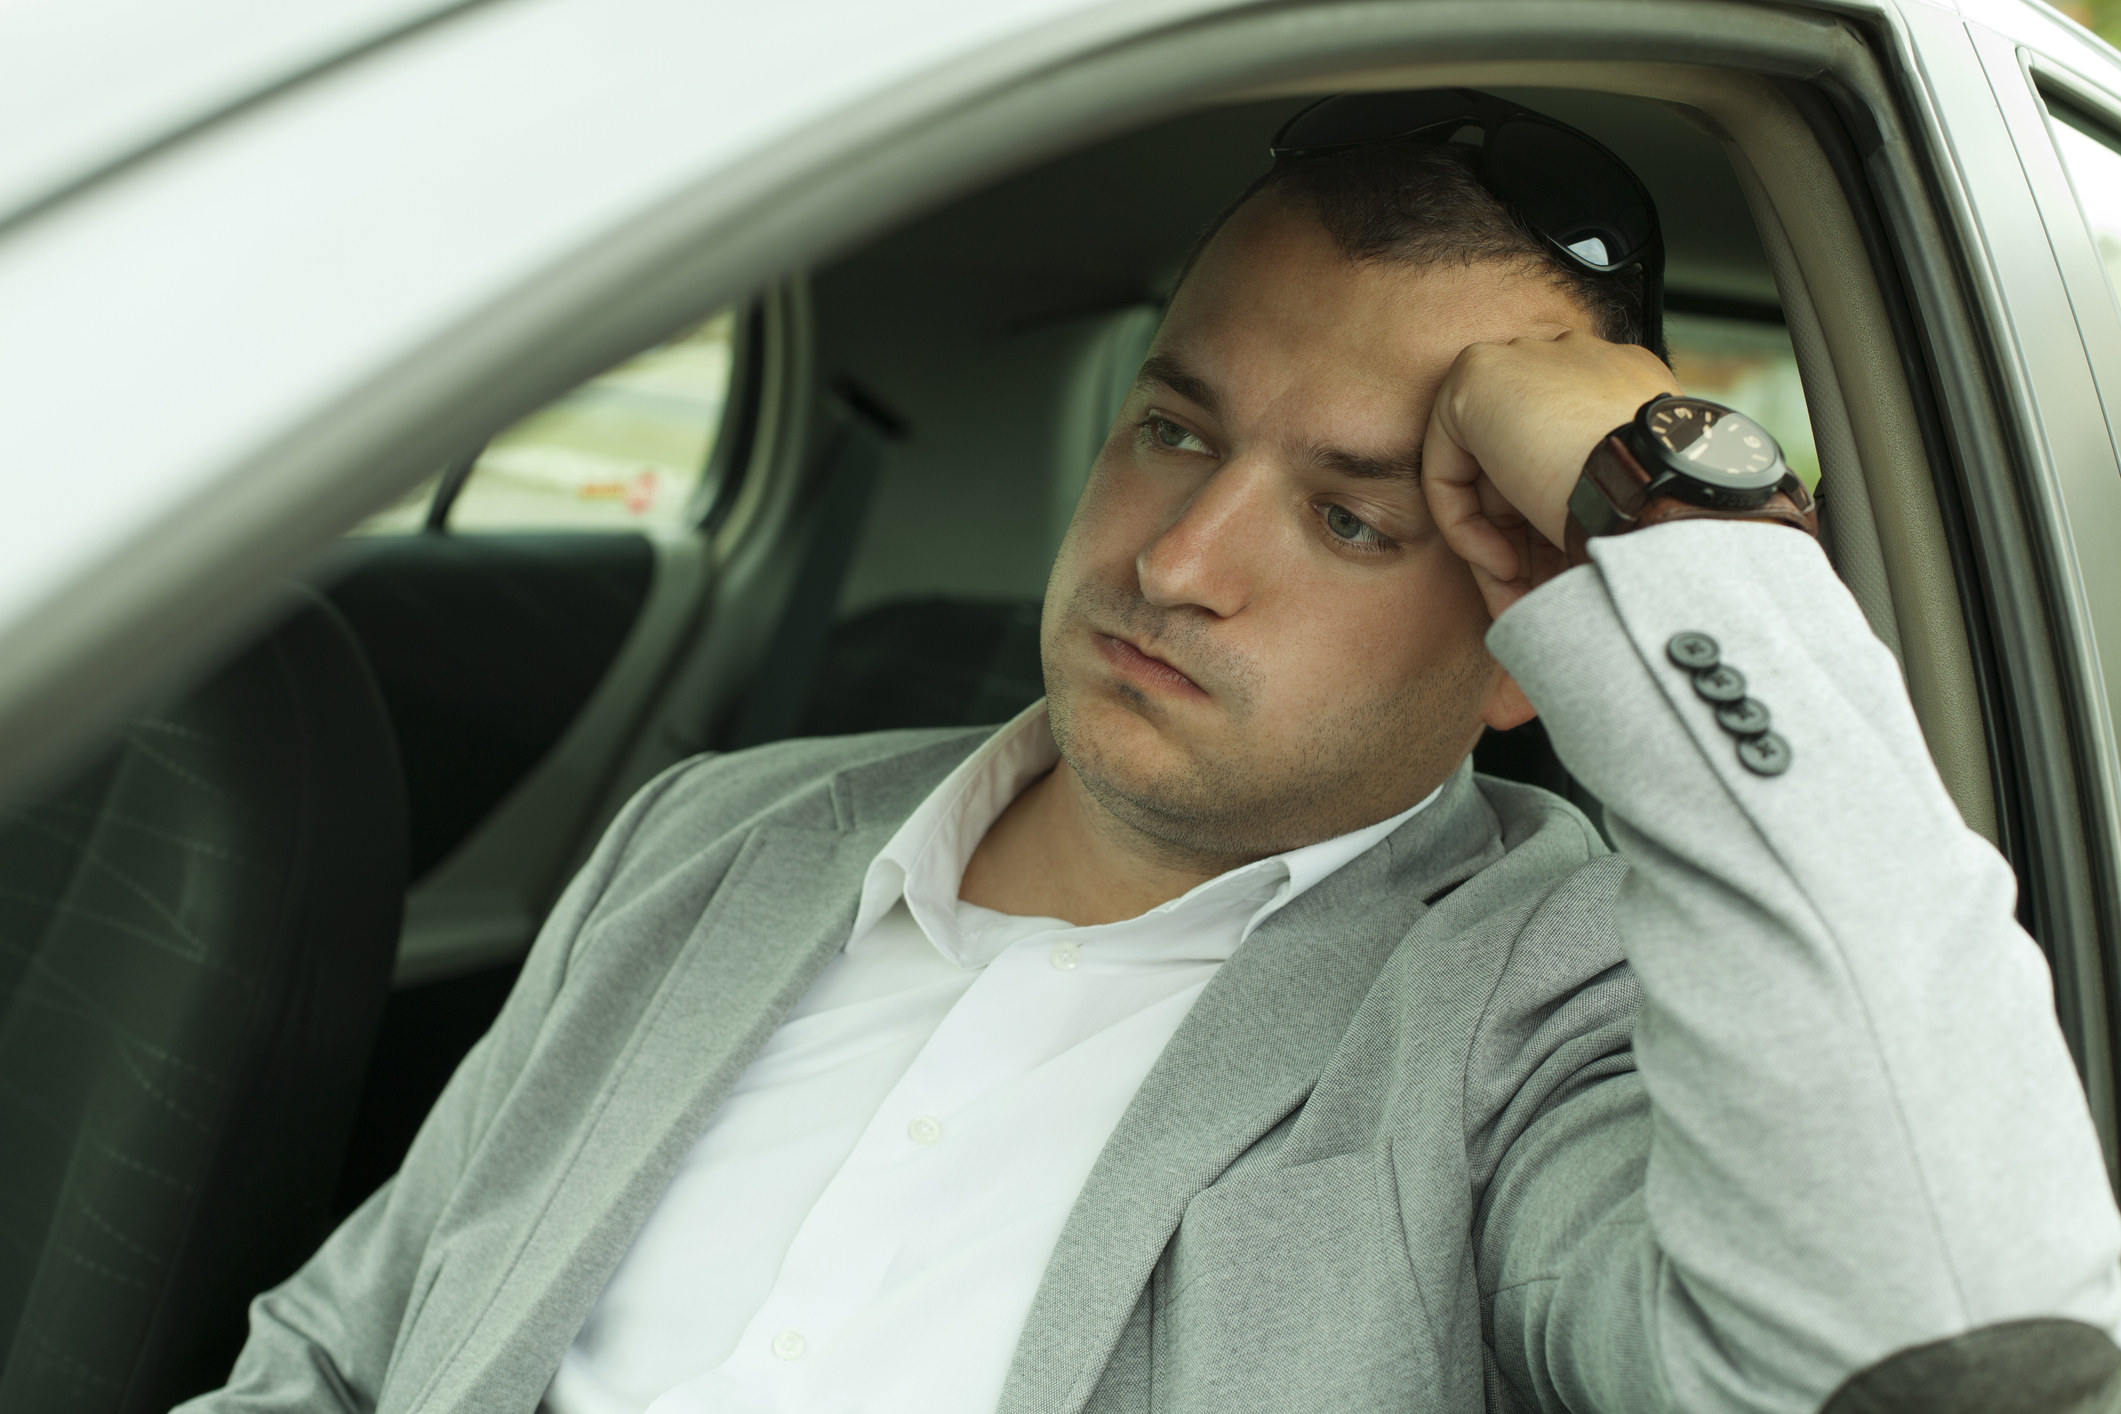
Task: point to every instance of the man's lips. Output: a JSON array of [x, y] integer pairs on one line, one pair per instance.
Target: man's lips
[[1142, 668]]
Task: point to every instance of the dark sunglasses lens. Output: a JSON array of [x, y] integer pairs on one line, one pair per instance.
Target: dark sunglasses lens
[[1353, 118], [1570, 190]]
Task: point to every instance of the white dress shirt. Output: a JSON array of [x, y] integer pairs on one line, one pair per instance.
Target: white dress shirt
[[865, 1221]]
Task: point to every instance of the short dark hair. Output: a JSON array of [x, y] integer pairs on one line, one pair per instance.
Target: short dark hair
[[1420, 203]]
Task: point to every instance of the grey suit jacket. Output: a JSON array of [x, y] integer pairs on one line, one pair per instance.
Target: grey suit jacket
[[1491, 1118]]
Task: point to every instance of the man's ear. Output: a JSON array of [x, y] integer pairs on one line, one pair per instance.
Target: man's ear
[[1507, 706]]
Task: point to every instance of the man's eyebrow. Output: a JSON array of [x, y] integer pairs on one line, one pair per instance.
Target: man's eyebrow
[[1168, 372], [1165, 371], [1400, 466]]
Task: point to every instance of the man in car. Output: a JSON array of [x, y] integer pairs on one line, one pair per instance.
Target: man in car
[[1210, 1037]]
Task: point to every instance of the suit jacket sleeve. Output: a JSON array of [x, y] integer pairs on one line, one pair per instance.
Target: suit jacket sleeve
[[323, 1339], [1854, 1130]]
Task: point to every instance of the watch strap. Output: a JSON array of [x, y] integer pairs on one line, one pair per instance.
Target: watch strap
[[1614, 496]]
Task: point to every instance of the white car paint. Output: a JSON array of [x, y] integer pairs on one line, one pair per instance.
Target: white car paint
[[87, 83]]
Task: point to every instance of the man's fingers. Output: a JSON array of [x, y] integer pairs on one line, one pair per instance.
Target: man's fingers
[[1498, 594], [1528, 412], [1456, 492], [1476, 539]]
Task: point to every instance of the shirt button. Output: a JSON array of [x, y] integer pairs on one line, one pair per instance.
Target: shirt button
[[790, 1345], [925, 1130], [1065, 956]]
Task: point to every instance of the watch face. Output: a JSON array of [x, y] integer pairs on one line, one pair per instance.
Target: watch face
[[1714, 444]]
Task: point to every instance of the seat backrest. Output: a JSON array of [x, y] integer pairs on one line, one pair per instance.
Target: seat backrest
[[196, 938], [927, 663]]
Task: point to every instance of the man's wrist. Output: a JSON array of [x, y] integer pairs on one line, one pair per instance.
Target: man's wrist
[[1617, 493], [1607, 498]]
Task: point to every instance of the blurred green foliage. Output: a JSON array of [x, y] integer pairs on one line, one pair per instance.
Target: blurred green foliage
[[2102, 17]]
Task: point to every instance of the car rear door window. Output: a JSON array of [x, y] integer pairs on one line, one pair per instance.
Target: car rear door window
[[627, 450]]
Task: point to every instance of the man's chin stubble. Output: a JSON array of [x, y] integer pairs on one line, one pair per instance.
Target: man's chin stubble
[[1206, 820], [1162, 829], [1213, 815]]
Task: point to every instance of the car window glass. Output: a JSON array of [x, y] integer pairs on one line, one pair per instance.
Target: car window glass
[[624, 451], [1747, 364], [2093, 158]]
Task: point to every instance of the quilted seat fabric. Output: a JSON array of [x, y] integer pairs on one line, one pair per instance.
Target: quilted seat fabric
[[196, 935]]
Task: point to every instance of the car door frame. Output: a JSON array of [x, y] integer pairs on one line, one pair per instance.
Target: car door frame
[[2038, 473]]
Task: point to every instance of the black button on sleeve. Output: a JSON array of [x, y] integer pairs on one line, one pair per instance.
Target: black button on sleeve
[[1695, 652], [1722, 683], [1764, 755], [1748, 716]]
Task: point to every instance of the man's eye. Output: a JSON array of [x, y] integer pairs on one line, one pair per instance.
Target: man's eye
[[1346, 525], [1172, 437]]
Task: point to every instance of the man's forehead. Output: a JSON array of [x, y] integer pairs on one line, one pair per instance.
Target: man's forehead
[[1242, 372]]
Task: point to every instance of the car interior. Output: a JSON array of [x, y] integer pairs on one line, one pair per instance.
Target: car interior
[[249, 939]]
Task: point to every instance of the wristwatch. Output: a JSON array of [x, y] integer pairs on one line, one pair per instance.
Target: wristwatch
[[1684, 458]]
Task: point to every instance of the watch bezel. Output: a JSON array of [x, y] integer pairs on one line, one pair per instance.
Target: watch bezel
[[1669, 476]]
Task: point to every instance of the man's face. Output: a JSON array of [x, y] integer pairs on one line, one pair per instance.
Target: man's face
[[1254, 637]]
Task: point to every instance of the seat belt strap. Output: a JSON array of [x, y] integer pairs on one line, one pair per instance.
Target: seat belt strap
[[845, 483]]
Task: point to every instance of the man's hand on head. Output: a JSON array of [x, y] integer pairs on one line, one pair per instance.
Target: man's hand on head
[[1508, 435]]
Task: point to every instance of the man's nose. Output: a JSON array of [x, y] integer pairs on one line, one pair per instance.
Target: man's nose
[[1211, 555]]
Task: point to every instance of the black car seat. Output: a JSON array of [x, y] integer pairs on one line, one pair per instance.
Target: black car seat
[[196, 938], [927, 663]]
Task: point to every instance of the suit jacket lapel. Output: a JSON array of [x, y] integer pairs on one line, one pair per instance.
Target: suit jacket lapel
[[1247, 1054], [780, 914]]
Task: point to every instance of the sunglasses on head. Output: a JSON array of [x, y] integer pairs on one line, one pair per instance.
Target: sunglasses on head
[[1577, 197]]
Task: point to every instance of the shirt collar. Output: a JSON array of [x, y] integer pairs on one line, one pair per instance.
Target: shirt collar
[[924, 862]]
